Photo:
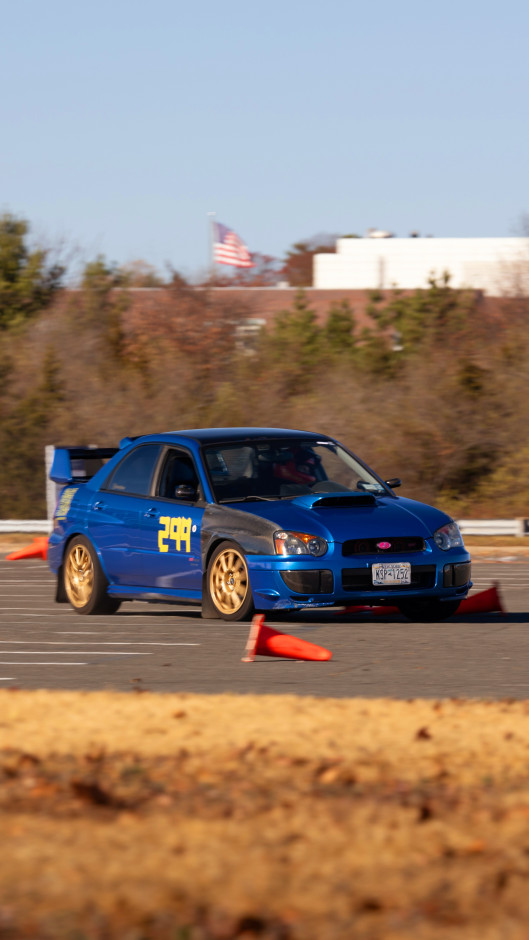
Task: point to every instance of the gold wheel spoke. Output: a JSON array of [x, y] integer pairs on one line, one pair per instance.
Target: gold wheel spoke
[[79, 576], [229, 581]]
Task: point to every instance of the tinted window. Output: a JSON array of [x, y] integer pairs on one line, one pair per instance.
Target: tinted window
[[178, 470], [134, 473]]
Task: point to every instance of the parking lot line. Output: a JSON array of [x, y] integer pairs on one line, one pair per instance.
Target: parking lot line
[[101, 643], [69, 652], [27, 612]]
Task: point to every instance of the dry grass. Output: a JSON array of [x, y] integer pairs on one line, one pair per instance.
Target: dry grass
[[186, 817]]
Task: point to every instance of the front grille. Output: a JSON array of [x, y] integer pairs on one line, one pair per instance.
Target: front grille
[[310, 581], [361, 579], [398, 546]]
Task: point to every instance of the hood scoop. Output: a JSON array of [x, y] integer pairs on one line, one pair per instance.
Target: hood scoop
[[345, 501]]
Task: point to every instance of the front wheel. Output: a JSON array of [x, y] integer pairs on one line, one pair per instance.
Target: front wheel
[[428, 611], [85, 584], [227, 587]]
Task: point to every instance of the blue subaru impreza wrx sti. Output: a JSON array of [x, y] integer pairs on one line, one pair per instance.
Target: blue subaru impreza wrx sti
[[246, 519]]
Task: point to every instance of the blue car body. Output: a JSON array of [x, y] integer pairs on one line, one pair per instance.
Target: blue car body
[[154, 543]]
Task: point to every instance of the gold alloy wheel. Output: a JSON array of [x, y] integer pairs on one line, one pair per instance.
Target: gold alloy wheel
[[79, 576], [228, 581]]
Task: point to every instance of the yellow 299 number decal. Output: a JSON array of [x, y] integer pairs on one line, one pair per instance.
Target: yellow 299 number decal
[[179, 530]]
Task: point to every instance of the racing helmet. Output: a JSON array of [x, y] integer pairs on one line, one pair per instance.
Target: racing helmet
[[299, 467]]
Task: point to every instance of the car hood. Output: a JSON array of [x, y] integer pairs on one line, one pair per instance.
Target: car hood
[[345, 516]]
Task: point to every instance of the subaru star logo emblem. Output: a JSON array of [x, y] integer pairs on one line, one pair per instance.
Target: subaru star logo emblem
[[383, 546]]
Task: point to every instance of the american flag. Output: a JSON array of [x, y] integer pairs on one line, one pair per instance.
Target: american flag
[[229, 249]]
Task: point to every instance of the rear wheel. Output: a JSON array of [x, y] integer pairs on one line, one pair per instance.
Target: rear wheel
[[227, 588], [85, 584], [428, 611]]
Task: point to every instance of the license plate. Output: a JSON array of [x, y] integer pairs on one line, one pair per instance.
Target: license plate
[[386, 572]]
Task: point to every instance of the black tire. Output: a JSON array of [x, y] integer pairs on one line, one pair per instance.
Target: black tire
[[430, 610], [227, 591], [61, 596], [84, 583]]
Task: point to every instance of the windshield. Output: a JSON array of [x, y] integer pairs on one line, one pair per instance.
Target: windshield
[[282, 469]]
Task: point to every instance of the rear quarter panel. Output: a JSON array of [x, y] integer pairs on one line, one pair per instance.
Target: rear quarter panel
[[69, 519]]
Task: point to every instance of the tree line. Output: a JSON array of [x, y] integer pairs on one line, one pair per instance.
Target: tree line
[[432, 390]]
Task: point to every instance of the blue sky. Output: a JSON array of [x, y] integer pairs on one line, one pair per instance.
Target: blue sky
[[124, 124]]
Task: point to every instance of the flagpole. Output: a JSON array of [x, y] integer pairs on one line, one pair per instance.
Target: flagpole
[[211, 217]]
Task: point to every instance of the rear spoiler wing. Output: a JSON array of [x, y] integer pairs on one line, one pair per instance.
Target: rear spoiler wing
[[78, 464]]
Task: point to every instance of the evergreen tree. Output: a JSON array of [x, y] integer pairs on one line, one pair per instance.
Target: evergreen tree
[[27, 281], [339, 328]]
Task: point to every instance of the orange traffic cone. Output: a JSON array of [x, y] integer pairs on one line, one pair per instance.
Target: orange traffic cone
[[37, 549], [264, 641], [484, 602]]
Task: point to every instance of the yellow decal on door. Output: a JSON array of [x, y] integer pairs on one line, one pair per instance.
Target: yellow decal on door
[[174, 529]]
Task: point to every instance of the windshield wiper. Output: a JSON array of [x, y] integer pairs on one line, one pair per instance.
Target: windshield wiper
[[247, 499]]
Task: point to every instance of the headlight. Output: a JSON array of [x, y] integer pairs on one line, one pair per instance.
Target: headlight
[[448, 536], [299, 543]]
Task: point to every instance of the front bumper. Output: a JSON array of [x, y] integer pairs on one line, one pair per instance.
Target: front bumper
[[280, 583]]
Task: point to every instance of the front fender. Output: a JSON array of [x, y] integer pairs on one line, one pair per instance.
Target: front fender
[[254, 534]]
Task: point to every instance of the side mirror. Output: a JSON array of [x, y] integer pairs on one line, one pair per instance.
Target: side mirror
[[393, 483], [184, 491]]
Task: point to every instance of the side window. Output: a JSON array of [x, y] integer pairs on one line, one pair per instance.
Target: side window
[[178, 478], [134, 474]]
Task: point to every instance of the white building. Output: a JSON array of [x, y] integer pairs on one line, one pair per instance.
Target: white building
[[497, 266]]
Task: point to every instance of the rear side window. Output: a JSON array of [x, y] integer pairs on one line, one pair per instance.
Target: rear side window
[[134, 474]]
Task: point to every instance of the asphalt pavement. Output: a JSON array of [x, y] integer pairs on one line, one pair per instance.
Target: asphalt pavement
[[165, 648]]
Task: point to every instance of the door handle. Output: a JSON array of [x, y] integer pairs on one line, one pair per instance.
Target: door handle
[[149, 513], [99, 505]]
